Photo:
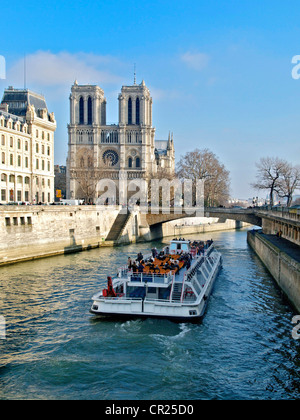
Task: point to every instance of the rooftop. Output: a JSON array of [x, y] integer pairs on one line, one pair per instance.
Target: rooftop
[[19, 99]]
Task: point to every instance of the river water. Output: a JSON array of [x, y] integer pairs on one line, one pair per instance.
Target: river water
[[55, 349]]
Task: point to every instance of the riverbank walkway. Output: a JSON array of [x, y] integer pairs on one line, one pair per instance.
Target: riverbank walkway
[[284, 245]]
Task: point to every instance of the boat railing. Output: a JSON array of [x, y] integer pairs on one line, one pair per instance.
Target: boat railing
[[151, 277]]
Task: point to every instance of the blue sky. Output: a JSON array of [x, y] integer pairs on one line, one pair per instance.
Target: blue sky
[[219, 71]]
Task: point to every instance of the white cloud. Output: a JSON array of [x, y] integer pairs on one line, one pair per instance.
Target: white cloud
[[196, 60], [46, 69]]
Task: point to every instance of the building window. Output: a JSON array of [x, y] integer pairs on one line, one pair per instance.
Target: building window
[[129, 111], [130, 162], [26, 162], [138, 163], [26, 146], [19, 161], [81, 111], [12, 160], [3, 140], [19, 144], [11, 142], [3, 195], [137, 108], [90, 111], [26, 195], [3, 158], [37, 164]]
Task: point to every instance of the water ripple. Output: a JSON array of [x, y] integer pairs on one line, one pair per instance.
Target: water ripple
[[55, 349]]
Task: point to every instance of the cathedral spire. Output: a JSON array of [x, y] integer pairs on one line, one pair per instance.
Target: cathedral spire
[[134, 74]]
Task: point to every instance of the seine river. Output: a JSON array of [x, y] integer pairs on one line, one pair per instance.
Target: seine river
[[55, 349]]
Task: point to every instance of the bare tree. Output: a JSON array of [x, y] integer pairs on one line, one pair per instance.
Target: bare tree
[[204, 165], [277, 176], [289, 183]]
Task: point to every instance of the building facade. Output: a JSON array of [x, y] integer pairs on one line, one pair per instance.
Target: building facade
[[26, 148], [100, 151]]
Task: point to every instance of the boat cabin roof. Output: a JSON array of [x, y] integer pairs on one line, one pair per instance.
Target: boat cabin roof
[[180, 241]]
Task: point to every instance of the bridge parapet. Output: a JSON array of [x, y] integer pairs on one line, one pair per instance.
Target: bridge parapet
[[283, 213], [283, 221]]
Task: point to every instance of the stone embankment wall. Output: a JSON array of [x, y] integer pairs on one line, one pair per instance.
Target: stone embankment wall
[[192, 226], [41, 231], [284, 269]]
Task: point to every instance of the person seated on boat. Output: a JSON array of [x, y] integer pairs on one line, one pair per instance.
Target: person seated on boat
[[175, 266], [134, 267], [167, 266], [156, 269], [140, 268], [167, 250]]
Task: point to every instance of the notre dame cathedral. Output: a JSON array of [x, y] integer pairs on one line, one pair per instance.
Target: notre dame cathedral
[[98, 151]]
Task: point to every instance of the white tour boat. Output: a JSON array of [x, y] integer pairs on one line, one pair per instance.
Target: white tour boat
[[174, 283]]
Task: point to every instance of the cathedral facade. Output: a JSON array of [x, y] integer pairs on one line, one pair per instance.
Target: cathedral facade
[[126, 150]]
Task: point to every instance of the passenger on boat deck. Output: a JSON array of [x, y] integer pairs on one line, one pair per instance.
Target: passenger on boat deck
[[139, 257], [141, 268], [134, 267], [129, 263], [154, 252]]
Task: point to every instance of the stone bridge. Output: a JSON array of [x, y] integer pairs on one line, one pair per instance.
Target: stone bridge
[[251, 216], [272, 220]]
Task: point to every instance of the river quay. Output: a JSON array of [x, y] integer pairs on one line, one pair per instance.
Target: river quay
[[282, 259], [32, 232]]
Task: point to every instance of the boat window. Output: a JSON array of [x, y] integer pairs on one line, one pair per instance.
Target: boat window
[[185, 247], [173, 247]]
